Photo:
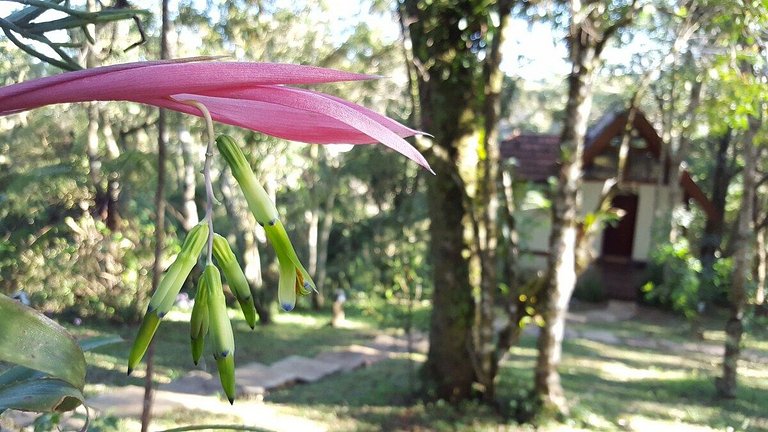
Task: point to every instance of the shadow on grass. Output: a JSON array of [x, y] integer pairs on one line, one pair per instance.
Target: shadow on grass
[[383, 397], [604, 398]]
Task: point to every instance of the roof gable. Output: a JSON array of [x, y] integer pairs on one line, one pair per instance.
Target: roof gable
[[537, 156]]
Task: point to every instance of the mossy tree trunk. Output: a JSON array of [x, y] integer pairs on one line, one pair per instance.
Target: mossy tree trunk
[[486, 205], [458, 105]]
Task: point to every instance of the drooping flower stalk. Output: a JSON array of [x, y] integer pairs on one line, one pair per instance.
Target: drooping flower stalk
[[207, 176], [250, 95]]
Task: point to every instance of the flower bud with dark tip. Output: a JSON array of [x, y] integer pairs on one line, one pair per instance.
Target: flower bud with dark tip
[[222, 337], [235, 277]]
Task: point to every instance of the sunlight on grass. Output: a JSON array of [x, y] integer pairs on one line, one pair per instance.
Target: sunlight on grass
[[668, 386], [307, 320], [756, 374], [644, 357], [640, 423], [622, 372]]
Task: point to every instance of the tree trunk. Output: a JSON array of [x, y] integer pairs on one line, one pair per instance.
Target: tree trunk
[[447, 79], [320, 212], [162, 140], [742, 263], [113, 182], [509, 252], [487, 206], [448, 375], [761, 268], [677, 156], [323, 235], [712, 237], [589, 31], [561, 278]]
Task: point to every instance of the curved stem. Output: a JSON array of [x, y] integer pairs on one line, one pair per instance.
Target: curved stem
[[207, 175], [215, 427]]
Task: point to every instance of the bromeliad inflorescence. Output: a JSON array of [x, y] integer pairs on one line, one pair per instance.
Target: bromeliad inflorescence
[[209, 314], [250, 95]]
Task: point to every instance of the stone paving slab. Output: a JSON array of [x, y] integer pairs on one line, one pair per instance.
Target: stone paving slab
[[255, 378], [195, 382], [347, 360], [304, 369], [353, 357]]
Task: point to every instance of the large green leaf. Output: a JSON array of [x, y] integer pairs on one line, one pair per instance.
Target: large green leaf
[[22, 373], [29, 338], [26, 389], [40, 395]]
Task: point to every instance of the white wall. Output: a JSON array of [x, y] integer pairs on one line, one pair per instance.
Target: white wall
[[650, 198], [534, 232]]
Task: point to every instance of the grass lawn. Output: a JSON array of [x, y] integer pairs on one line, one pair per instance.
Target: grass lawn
[[611, 386], [304, 333]]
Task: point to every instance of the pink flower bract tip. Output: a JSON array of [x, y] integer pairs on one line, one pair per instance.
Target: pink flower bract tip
[[250, 95]]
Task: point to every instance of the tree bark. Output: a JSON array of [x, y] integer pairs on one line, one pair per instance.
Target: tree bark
[[561, 279], [761, 268], [742, 264], [487, 205], [589, 31], [323, 235], [678, 154], [446, 84], [320, 216], [509, 252], [712, 236], [92, 130], [162, 140]]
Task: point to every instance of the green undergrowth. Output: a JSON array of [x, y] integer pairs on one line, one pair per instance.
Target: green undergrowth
[[611, 387]]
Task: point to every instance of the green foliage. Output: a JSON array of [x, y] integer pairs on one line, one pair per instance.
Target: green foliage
[[675, 279], [26, 22], [48, 372], [57, 269]]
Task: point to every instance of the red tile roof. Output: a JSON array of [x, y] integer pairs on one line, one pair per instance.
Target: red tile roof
[[536, 156]]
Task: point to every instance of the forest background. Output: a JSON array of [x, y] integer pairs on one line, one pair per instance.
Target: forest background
[[78, 213]]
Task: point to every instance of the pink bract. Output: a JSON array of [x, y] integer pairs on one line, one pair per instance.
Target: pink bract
[[245, 94]]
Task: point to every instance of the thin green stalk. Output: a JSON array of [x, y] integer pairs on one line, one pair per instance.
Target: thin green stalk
[[216, 427], [207, 175]]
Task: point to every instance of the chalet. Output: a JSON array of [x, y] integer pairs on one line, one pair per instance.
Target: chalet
[[622, 249]]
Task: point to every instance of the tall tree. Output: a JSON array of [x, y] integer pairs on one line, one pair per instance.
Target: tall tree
[[742, 264], [162, 143], [455, 54], [592, 24]]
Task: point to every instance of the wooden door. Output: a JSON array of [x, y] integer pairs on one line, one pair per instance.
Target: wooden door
[[619, 238]]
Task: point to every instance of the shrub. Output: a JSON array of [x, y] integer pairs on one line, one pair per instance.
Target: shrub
[[675, 280]]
